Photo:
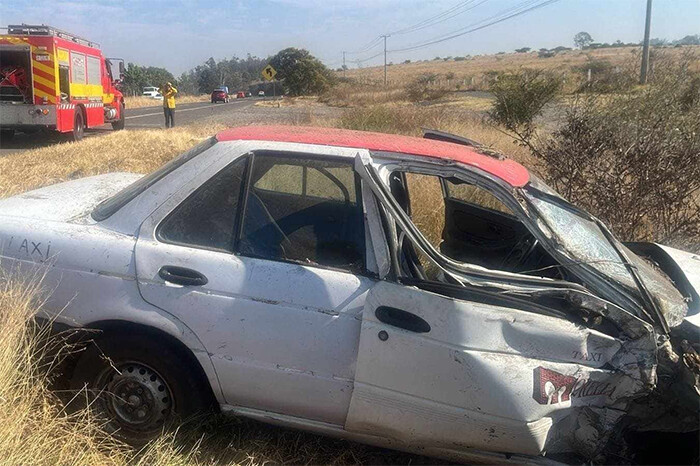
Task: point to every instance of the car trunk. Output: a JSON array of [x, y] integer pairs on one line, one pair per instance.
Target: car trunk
[[64, 202]]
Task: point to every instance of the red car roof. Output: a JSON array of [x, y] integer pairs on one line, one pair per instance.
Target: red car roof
[[508, 170]]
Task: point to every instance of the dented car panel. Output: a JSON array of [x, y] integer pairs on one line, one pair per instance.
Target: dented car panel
[[477, 363], [490, 376]]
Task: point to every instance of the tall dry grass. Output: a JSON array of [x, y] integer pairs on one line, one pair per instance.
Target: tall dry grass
[[131, 151], [34, 429]]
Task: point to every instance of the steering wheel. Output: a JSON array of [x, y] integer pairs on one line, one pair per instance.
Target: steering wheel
[[519, 254]]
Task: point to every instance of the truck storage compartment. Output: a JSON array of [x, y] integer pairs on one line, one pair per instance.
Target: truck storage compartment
[[15, 74]]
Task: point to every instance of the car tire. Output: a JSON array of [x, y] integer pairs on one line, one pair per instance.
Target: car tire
[[119, 124], [138, 387], [78, 126]]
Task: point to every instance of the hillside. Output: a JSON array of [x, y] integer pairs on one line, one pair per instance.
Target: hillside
[[471, 72]]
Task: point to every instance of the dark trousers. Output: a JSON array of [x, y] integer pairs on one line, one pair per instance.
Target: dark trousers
[[169, 117]]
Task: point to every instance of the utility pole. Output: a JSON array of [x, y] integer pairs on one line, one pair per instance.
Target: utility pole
[[343, 64], [645, 49], [385, 59]]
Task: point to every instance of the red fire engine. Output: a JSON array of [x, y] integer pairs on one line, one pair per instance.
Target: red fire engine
[[58, 81]]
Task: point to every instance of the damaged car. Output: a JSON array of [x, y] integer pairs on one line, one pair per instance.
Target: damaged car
[[288, 274]]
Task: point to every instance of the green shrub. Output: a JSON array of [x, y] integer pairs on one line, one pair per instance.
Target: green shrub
[[521, 97], [633, 159]]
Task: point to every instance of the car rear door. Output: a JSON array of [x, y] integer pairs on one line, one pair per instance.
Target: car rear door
[[282, 336]]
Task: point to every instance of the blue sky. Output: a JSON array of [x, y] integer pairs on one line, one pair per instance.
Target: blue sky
[[180, 34]]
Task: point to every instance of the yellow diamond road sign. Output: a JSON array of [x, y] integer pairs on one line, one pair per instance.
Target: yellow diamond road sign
[[269, 73]]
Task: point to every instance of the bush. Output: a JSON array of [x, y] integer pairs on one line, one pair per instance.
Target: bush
[[424, 88], [521, 97], [633, 159]]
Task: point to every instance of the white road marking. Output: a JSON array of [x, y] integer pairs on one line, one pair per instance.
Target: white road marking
[[177, 111]]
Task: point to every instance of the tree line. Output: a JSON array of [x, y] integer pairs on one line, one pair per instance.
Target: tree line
[[299, 72]]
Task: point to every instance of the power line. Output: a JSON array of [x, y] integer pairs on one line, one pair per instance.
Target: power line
[[370, 45], [369, 58], [442, 17], [520, 9]]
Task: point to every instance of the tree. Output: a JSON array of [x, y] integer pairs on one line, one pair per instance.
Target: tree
[[301, 73], [688, 40], [657, 42], [523, 50], [583, 40], [137, 77]]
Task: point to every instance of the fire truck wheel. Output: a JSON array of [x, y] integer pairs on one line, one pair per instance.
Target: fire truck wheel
[[119, 124], [78, 127], [7, 134]]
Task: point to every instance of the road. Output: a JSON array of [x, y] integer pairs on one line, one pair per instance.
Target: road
[[185, 114], [139, 118]]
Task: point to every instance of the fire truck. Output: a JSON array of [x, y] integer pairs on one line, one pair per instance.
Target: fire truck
[[51, 79]]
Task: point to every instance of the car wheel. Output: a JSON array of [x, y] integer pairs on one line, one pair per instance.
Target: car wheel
[[78, 127], [138, 387], [119, 124]]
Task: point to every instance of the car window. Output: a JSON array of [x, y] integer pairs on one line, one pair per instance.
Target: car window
[[465, 223], [465, 192], [282, 178], [304, 210], [207, 218]]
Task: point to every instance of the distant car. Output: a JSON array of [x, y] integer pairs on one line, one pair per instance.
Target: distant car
[[248, 94], [240, 95], [219, 95], [152, 92], [279, 273], [261, 93]]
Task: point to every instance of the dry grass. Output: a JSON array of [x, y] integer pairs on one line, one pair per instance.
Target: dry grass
[[33, 428], [140, 101], [131, 151]]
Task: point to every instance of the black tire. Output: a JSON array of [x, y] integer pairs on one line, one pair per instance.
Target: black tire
[[138, 386], [7, 134], [78, 127], [119, 124]]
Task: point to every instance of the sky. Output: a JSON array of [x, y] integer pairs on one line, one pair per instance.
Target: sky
[[180, 34]]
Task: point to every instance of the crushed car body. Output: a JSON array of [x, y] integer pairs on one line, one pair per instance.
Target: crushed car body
[[291, 268]]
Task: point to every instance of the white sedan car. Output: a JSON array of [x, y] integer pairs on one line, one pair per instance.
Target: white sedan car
[[280, 273]]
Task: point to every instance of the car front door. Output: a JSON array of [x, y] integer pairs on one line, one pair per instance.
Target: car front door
[[451, 367], [262, 259]]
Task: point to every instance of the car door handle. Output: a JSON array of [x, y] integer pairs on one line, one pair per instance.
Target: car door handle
[[182, 276], [402, 319]]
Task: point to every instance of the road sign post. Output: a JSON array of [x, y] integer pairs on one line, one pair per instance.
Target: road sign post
[[268, 74]]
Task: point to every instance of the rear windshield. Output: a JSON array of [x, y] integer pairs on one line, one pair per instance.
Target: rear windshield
[[108, 207]]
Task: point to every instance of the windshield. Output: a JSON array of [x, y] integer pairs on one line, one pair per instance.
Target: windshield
[[108, 207], [587, 244]]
